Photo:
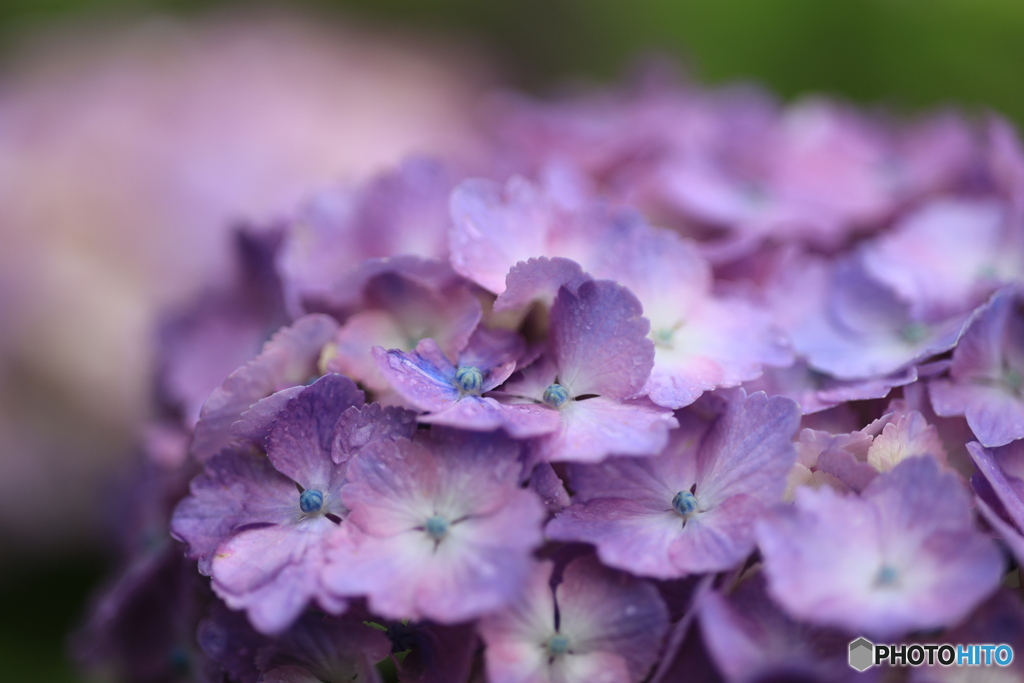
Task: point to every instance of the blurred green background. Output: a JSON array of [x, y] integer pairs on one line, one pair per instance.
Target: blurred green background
[[906, 54]]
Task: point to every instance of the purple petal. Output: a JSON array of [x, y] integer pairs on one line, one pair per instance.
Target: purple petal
[[750, 638], [546, 484], [598, 427], [937, 257], [236, 489], [538, 280], [403, 211], [599, 341], [603, 610], [904, 556], [300, 440], [272, 572], [628, 534], [287, 360], [844, 466], [484, 414], [479, 566], [358, 427], [749, 450], [1007, 486], [253, 425], [986, 374], [425, 378], [495, 227]]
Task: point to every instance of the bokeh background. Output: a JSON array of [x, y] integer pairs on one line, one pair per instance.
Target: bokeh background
[[133, 131]]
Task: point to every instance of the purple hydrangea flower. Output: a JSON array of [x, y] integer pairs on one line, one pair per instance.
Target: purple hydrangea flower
[[946, 257], [852, 327], [402, 305], [224, 329], [401, 212], [494, 227], [287, 361], [1000, 619], [1002, 469], [751, 639], [599, 358], [596, 626], [692, 508], [257, 524], [316, 648], [438, 527], [701, 341], [902, 556], [451, 393], [986, 379], [815, 391]]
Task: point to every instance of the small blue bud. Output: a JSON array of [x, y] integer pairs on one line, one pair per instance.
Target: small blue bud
[[555, 395], [1014, 380], [469, 380], [663, 337], [684, 502], [311, 501], [887, 576], [558, 645], [914, 333], [437, 526]]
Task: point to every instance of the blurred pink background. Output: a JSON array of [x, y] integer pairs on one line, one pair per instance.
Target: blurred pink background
[[126, 153]]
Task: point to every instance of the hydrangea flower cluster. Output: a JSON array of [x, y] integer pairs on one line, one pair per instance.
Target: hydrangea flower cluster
[[684, 385]]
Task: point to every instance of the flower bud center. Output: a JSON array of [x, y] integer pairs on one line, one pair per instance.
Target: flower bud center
[[437, 527], [311, 500], [685, 503], [558, 645], [469, 379], [556, 395]]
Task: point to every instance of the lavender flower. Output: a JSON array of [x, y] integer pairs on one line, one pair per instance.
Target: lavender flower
[[599, 359], [451, 393], [903, 556], [438, 527], [986, 379], [595, 625], [692, 508], [258, 524]]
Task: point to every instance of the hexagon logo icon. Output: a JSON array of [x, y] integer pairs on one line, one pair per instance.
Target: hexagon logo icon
[[862, 654]]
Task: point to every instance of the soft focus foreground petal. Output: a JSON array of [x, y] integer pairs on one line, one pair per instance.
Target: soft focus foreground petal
[[598, 339], [751, 638], [905, 556], [943, 257], [604, 610], [1002, 468], [287, 360], [987, 373], [495, 227], [398, 212]]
